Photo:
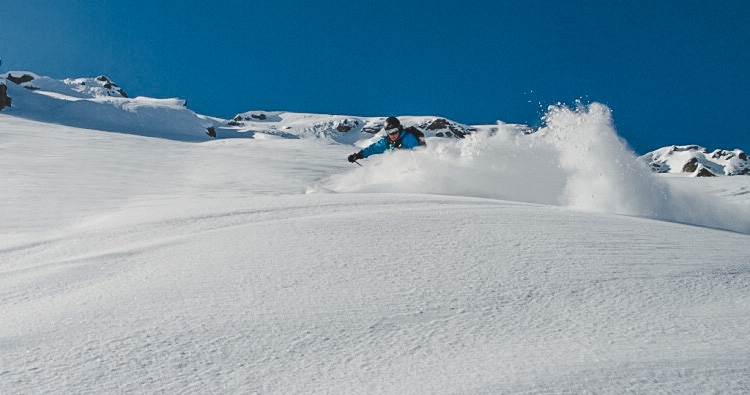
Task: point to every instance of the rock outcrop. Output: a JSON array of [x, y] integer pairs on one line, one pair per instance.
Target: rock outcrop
[[5, 100]]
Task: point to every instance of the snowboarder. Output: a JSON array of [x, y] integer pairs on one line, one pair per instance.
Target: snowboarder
[[396, 138]]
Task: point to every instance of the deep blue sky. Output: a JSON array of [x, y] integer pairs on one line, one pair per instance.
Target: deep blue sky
[[672, 72]]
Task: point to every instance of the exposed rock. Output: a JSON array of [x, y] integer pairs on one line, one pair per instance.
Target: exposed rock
[[440, 123], [211, 131], [372, 129], [20, 80], [109, 85], [347, 125], [691, 166], [239, 118], [446, 128], [119, 90], [439, 127], [4, 99], [236, 121]]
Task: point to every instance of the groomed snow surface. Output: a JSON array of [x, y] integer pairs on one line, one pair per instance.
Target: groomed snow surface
[[500, 263]]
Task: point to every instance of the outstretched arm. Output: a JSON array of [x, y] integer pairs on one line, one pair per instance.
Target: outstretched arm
[[377, 147]]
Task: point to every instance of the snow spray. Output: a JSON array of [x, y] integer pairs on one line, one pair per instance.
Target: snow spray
[[575, 160]]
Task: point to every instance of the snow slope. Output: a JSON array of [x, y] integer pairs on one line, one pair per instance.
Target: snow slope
[[500, 263]]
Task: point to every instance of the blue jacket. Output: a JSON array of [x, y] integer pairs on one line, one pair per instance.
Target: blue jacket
[[404, 140]]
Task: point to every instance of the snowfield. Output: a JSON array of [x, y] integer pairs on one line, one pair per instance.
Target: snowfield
[[499, 263]]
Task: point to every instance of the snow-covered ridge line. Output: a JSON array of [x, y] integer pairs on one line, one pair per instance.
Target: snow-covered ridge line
[[99, 103]]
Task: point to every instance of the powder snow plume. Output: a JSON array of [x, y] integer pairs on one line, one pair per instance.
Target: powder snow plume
[[575, 160]]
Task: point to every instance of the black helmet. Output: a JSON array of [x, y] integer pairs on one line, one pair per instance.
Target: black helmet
[[393, 123]]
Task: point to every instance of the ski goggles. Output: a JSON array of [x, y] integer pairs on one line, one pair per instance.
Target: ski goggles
[[392, 131]]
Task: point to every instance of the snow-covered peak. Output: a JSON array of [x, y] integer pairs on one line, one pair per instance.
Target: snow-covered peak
[[96, 87], [98, 103], [71, 88], [697, 161]]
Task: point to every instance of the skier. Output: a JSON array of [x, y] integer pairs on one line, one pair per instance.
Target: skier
[[396, 138]]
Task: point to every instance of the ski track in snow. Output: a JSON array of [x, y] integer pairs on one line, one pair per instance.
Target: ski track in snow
[[133, 264]]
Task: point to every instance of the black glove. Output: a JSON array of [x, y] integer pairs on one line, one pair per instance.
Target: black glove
[[353, 157]]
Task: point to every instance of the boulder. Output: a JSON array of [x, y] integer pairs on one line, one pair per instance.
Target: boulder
[[20, 80], [4, 99]]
